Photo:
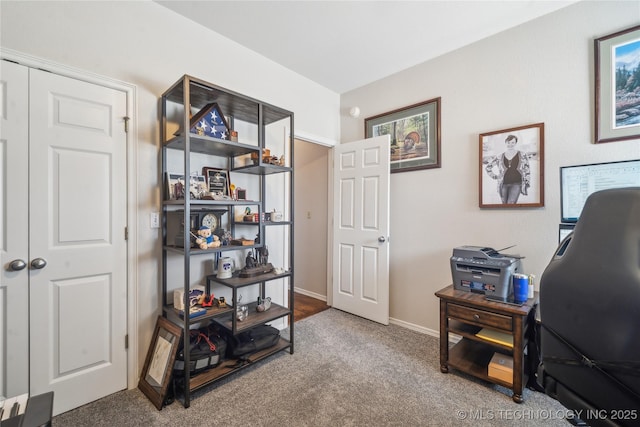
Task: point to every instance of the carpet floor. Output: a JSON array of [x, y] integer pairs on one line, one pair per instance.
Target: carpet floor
[[346, 371]]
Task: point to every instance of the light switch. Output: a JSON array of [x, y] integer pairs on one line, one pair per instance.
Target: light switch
[[154, 220]]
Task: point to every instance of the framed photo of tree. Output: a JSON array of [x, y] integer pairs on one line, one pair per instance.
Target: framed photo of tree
[[415, 135]]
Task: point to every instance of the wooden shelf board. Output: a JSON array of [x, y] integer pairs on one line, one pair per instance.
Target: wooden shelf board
[[469, 332], [231, 103], [205, 204], [254, 318], [230, 366], [211, 145], [198, 251], [239, 282], [473, 357], [174, 314]]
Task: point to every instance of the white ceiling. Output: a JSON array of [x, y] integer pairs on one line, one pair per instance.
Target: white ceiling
[[343, 45]]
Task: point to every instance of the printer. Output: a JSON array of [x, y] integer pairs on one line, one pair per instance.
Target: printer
[[484, 270]]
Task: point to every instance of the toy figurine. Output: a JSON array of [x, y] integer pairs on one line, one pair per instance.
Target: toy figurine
[[207, 300], [250, 261], [206, 239], [264, 255]]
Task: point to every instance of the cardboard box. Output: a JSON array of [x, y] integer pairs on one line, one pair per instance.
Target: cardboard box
[[501, 368]]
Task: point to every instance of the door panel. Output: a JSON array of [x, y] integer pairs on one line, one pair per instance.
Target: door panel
[[79, 346], [370, 202], [345, 268], [91, 223], [14, 242], [347, 198], [77, 222], [370, 273], [361, 228]]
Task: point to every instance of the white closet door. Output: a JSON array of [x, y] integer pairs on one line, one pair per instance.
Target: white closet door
[[78, 301], [14, 229]]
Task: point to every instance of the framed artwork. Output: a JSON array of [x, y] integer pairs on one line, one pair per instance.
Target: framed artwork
[[198, 186], [415, 135], [175, 186], [512, 167], [617, 63], [158, 364], [217, 180]]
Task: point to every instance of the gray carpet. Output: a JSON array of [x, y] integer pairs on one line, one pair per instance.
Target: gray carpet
[[346, 371]]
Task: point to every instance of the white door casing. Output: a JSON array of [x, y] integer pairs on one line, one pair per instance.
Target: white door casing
[[77, 220], [361, 228], [14, 239]]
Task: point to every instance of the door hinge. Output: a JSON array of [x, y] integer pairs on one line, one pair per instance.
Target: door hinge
[[126, 233], [126, 341], [126, 124]]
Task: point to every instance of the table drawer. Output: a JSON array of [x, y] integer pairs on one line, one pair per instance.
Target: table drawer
[[480, 317]]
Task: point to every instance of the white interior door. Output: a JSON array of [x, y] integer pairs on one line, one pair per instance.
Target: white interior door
[[77, 216], [361, 228], [14, 238]]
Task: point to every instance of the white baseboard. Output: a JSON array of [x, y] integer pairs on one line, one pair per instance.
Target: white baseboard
[[310, 294], [427, 331], [414, 327]]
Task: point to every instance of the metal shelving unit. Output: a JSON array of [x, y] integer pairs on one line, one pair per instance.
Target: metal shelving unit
[[187, 95]]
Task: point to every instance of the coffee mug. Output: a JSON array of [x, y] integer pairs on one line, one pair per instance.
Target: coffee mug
[[225, 268]]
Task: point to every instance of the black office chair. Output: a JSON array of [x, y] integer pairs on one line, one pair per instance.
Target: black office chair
[[590, 313]]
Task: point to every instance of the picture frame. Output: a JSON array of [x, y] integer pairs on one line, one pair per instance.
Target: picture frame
[[158, 365], [175, 186], [241, 194], [199, 186], [515, 155], [217, 182], [415, 135], [617, 99]]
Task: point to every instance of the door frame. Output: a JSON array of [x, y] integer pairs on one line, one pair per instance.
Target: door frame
[[314, 139], [132, 184]]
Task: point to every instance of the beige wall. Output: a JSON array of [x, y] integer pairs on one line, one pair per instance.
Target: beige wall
[[310, 239], [541, 71], [143, 43]]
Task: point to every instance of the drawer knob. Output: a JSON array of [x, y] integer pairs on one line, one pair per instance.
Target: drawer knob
[[476, 317]]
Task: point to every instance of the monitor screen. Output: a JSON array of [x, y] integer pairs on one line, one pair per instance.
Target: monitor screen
[[578, 182]]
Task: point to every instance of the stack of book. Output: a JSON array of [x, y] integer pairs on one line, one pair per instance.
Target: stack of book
[[496, 336]]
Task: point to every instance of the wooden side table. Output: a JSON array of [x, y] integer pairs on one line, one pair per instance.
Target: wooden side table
[[465, 314]]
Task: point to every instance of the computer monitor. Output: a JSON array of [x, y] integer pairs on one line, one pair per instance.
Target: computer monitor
[[579, 181]]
